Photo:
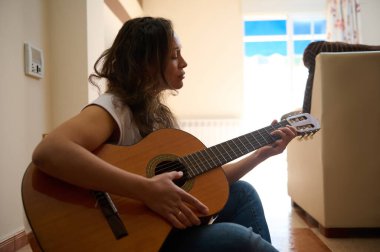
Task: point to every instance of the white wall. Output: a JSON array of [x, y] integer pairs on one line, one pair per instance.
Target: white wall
[[68, 43], [211, 35], [96, 39], [111, 25], [30, 107], [24, 103], [281, 7]]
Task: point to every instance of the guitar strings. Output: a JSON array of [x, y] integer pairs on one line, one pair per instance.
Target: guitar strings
[[191, 166], [174, 166], [221, 154]]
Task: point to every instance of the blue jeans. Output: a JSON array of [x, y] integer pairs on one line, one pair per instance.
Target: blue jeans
[[240, 226]]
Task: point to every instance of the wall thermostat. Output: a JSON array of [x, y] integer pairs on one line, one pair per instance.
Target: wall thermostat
[[34, 61]]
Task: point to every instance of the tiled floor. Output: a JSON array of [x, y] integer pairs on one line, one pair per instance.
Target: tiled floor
[[290, 232]]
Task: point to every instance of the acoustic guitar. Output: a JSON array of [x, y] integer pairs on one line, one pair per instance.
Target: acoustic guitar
[[64, 217]]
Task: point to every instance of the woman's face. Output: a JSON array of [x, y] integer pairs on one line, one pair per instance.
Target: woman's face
[[174, 73]]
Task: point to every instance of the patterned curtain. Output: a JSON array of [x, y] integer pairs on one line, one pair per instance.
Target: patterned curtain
[[342, 21]]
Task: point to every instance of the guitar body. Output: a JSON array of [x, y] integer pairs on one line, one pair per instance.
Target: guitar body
[[64, 217]]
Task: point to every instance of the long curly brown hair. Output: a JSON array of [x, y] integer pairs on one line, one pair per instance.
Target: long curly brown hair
[[134, 67]]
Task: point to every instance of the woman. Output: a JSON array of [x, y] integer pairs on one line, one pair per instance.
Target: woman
[[145, 61]]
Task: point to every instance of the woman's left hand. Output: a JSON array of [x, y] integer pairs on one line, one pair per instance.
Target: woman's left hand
[[286, 134]]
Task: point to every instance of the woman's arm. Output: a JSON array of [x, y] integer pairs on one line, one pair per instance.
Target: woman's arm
[[66, 153], [234, 171]]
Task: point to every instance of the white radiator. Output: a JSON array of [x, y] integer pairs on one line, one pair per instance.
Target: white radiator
[[212, 131]]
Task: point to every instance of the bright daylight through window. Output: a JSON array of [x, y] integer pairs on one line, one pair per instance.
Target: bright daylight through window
[[274, 73]]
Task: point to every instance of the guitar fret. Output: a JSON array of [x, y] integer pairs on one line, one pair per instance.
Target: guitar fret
[[210, 158], [216, 155], [252, 142], [265, 142], [197, 167], [237, 147], [232, 149], [267, 137], [202, 153], [230, 158], [272, 138], [249, 142], [189, 165], [260, 138], [202, 159]]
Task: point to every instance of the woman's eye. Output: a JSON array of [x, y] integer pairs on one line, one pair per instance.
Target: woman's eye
[[175, 54]]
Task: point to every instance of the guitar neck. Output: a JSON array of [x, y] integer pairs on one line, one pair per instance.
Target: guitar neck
[[202, 161]]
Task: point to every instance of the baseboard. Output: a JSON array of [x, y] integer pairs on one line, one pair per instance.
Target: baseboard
[[349, 232], [17, 241]]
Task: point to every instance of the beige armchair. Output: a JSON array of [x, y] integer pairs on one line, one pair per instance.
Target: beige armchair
[[335, 177]]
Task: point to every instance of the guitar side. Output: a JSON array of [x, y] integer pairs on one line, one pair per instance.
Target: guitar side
[[64, 217]]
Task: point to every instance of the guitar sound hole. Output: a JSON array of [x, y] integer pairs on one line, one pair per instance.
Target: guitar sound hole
[[168, 166]]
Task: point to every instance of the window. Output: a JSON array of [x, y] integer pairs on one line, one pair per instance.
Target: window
[[265, 37], [274, 73]]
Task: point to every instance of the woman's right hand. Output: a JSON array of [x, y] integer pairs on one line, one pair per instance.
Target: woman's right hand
[[173, 203]]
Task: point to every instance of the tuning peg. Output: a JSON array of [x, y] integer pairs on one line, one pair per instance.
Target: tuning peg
[[301, 136]]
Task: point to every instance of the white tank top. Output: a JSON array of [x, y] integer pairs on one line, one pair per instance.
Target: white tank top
[[129, 133]]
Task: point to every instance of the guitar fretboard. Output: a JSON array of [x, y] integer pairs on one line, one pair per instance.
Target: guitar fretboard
[[204, 160]]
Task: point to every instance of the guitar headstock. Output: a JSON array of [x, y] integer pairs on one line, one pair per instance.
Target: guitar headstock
[[304, 123]]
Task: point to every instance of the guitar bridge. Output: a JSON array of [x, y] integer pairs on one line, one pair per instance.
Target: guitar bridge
[[110, 213]]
